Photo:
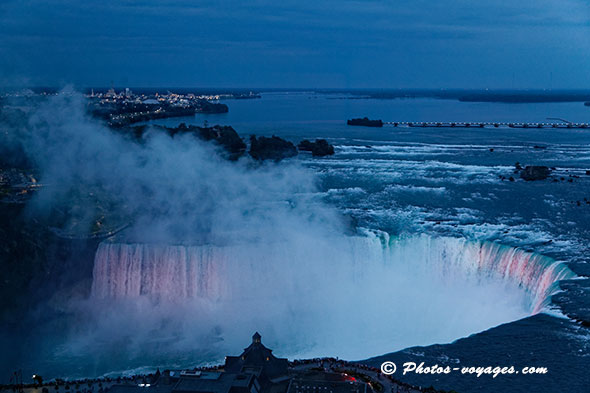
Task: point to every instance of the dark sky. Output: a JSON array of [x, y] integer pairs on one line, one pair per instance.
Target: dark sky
[[297, 43]]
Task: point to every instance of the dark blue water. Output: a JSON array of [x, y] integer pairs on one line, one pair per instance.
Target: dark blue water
[[449, 182]]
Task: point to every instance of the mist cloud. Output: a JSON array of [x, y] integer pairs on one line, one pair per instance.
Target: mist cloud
[[173, 189]]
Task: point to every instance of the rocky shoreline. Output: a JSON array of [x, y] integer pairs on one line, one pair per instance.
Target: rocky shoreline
[[124, 114], [233, 147]]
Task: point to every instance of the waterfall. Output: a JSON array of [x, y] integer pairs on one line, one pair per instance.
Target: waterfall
[[173, 272], [535, 274], [170, 272], [352, 297]]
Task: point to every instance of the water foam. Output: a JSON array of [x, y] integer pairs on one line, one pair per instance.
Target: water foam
[[352, 297]]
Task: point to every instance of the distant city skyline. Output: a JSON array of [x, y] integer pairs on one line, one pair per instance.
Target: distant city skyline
[[537, 44]]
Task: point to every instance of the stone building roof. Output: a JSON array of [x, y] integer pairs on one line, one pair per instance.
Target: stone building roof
[[258, 359]]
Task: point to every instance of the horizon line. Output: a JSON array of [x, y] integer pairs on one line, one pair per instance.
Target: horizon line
[[252, 88]]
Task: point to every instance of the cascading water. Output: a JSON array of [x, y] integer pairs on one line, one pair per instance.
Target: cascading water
[[180, 272], [534, 273], [128, 270], [352, 297]]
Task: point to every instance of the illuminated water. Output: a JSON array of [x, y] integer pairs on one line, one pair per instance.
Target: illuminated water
[[461, 285]]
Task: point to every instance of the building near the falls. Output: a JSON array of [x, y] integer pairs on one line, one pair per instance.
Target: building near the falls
[[258, 360], [256, 370]]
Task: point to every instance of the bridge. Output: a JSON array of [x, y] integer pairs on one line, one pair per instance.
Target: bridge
[[459, 124]]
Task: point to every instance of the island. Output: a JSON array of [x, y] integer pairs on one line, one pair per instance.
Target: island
[[273, 148], [319, 148], [366, 122]]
